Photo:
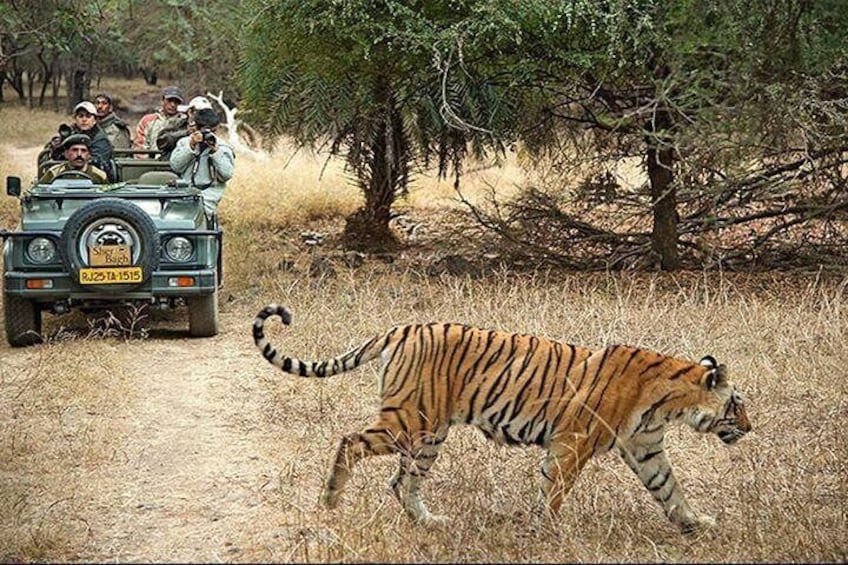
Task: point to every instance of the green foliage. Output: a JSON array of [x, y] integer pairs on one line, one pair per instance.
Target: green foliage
[[327, 56], [713, 49], [193, 41], [392, 84], [715, 86]]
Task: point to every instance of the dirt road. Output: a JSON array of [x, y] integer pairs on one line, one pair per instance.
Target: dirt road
[[140, 450]]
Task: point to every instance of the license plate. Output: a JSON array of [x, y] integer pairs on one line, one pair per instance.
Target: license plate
[[109, 256], [116, 275]]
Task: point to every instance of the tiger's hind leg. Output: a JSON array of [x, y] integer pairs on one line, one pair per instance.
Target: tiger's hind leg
[[377, 439], [407, 481], [560, 469]]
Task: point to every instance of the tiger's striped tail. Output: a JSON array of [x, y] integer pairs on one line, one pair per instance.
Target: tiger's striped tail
[[350, 360]]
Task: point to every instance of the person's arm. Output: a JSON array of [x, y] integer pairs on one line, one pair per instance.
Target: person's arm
[[98, 176], [224, 161], [55, 148], [139, 133], [50, 174], [141, 130], [182, 156], [124, 140], [46, 178]]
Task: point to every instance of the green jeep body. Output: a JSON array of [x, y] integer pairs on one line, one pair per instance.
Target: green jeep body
[[143, 240]]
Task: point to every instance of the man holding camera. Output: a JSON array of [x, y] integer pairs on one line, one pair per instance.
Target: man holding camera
[[168, 137], [204, 160]]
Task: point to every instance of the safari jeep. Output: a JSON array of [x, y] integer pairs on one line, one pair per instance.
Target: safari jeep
[[143, 240]]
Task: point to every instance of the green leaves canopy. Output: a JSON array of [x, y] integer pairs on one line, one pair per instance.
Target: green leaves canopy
[[309, 70]]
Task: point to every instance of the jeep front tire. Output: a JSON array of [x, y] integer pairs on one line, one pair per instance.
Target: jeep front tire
[[203, 315], [22, 321]]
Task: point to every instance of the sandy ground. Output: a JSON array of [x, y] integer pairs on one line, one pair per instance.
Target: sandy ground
[[160, 458]]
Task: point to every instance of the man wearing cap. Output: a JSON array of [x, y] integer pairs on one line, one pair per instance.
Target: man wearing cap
[[196, 103], [168, 137], [85, 122], [167, 116], [204, 160], [114, 127], [77, 154]]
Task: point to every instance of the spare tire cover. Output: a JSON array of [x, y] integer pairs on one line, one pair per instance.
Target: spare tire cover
[[110, 221]]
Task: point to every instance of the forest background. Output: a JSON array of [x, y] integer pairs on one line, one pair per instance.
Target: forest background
[[733, 112]]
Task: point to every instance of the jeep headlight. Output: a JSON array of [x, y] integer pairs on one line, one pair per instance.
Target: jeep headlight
[[179, 249], [41, 250]]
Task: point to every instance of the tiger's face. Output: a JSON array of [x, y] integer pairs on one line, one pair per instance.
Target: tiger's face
[[728, 418], [734, 422]]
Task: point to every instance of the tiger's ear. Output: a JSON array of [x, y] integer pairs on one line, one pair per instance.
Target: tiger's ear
[[715, 374], [711, 377]]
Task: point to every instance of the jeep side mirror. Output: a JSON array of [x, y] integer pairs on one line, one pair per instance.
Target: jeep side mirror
[[13, 186]]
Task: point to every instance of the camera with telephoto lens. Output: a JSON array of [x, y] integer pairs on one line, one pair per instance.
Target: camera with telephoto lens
[[56, 141], [208, 138]]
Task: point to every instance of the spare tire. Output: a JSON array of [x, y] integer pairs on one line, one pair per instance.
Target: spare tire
[[110, 221]]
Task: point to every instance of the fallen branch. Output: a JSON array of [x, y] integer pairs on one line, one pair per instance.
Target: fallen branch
[[232, 127]]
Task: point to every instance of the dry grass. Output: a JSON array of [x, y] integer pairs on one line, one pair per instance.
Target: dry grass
[[779, 495], [167, 449]]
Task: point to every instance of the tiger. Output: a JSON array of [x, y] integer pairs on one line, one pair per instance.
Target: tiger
[[575, 402]]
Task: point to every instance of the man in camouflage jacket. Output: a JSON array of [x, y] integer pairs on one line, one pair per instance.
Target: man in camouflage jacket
[[116, 129]]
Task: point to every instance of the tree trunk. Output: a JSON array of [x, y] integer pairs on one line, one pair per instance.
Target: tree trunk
[[16, 81], [57, 87], [46, 78], [30, 86], [368, 227], [150, 76], [660, 157], [383, 173], [77, 88]]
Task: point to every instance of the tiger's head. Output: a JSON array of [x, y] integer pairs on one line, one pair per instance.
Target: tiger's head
[[722, 410]]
